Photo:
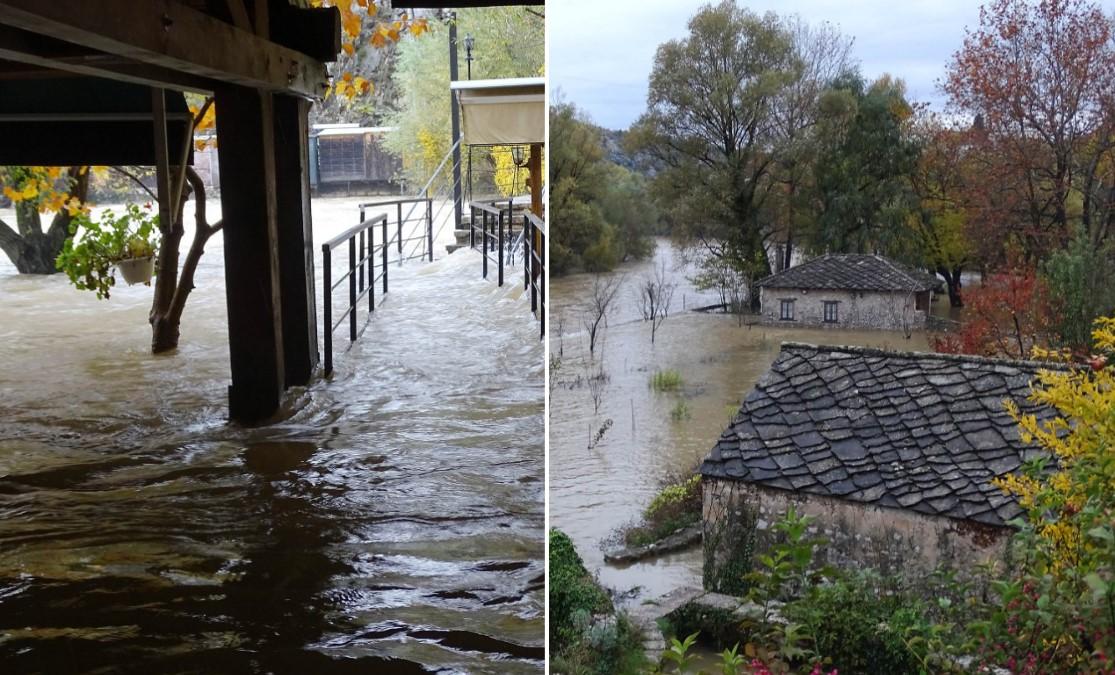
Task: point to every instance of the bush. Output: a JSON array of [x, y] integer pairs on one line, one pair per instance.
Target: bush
[[574, 594], [675, 507], [666, 380], [860, 630]]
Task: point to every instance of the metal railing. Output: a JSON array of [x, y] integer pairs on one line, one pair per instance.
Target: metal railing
[[424, 248], [360, 252], [534, 267], [492, 230], [495, 234]]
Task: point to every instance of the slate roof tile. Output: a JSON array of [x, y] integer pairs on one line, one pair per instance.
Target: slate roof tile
[[853, 272], [920, 431]]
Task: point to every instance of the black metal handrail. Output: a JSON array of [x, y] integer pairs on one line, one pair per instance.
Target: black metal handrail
[[534, 267], [427, 235], [495, 233], [487, 228], [354, 236]]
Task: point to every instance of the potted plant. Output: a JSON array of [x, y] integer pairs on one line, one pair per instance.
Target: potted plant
[[98, 248], [138, 264]]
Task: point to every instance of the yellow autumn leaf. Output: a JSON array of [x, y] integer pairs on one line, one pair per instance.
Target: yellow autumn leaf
[[29, 191], [348, 49], [12, 194], [378, 40]]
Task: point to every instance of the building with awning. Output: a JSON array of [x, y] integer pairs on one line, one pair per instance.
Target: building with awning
[[506, 112]]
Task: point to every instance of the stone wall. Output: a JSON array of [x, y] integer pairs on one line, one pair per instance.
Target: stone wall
[[868, 309], [859, 535]]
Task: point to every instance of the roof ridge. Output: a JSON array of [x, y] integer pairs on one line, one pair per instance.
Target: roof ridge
[[790, 345], [892, 264]]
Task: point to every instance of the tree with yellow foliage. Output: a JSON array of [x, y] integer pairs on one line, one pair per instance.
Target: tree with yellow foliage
[[33, 191], [1056, 612]]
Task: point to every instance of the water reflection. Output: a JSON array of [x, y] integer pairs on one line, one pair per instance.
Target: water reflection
[[392, 522]]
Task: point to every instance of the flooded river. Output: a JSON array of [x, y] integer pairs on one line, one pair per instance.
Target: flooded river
[[594, 490], [391, 522]]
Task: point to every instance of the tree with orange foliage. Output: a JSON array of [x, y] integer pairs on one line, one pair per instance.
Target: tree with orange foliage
[[1039, 78], [1006, 316]]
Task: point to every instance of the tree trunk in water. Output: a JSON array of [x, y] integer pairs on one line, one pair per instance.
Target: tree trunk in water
[[32, 250], [172, 288], [952, 282]]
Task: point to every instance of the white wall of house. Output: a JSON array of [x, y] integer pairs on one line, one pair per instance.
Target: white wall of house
[[854, 309]]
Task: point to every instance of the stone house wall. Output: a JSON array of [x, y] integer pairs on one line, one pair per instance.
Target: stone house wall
[[867, 309], [858, 535]]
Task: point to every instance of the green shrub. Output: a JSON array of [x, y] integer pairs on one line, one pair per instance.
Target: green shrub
[[680, 411], [574, 594], [861, 630], [665, 380], [675, 507]]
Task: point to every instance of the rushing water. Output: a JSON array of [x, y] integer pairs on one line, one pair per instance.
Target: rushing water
[[391, 522], [595, 490]]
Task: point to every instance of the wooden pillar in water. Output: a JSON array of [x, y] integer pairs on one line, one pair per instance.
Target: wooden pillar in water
[[246, 152], [296, 255]]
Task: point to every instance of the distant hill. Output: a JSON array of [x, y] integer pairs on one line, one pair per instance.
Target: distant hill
[[616, 153]]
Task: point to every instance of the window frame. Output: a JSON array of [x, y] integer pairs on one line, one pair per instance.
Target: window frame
[[783, 315], [833, 305]]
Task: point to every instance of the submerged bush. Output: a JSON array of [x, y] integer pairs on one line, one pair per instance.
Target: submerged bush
[[665, 380]]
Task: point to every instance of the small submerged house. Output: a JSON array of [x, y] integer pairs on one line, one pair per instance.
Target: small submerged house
[[892, 454], [848, 291]]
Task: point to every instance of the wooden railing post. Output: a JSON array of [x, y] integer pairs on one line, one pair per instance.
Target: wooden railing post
[[385, 256]]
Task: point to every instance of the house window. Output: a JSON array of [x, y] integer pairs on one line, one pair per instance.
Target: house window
[[787, 310], [831, 311]]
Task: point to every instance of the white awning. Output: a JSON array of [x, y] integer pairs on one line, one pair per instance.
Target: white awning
[[502, 112]]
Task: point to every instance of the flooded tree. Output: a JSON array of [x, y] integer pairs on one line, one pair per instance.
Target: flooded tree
[[656, 293], [601, 296], [34, 190], [709, 124]]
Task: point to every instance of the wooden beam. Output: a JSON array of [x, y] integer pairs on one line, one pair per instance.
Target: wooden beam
[[171, 35], [296, 238], [39, 51], [246, 152]]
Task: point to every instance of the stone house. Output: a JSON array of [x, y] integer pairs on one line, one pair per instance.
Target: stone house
[[891, 453], [848, 291]]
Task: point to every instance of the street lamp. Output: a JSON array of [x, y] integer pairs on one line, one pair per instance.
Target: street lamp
[[469, 42], [517, 155]]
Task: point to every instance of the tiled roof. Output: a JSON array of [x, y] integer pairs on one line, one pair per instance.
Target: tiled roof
[[853, 272], [924, 432]]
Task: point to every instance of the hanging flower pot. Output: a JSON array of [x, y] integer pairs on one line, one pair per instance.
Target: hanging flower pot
[[137, 270]]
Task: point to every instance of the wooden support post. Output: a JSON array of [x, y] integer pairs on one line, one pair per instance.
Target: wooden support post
[[534, 169], [296, 239], [246, 136]]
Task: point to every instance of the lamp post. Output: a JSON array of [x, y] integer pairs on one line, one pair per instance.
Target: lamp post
[[469, 42]]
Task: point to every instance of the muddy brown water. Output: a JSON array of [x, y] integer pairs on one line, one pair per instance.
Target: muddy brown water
[[392, 521], [594, 490]]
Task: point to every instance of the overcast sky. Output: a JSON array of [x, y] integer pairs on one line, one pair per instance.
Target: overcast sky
[[601, 51]]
